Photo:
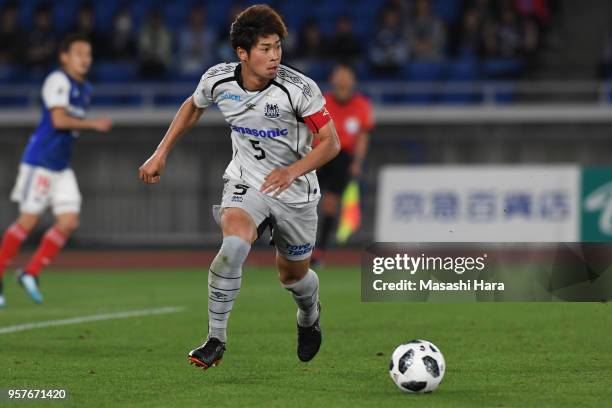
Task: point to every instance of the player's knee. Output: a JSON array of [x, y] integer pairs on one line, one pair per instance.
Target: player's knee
[[27, 221], [330, 203], [291, 271], [68, 224], [234, 251]]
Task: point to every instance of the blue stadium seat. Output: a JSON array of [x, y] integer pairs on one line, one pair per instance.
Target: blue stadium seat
[[105, 12], [502, 68], [116, 101], [320, 71], [465, 72], [176, 14], [14, 101], [423, 71], [169, 100], [10, 73], [114, 72], [64, 14], [448, 10], [505, 96]]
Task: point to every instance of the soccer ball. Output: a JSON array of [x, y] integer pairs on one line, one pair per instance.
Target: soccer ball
[[417, 366]]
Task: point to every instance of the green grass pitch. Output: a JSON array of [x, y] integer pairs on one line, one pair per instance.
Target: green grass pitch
[[497, 354]]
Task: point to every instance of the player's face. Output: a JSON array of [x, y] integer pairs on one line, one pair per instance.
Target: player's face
[[343, 82], [78, 58], [265, 56]]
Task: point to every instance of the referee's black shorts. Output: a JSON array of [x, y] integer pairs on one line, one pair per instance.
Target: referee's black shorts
[[335, 175]]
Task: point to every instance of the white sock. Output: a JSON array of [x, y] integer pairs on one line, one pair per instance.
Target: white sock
[[306, 295], [224, 278]]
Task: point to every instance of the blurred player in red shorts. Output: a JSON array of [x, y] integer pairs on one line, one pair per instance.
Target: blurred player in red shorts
[[352, 115]]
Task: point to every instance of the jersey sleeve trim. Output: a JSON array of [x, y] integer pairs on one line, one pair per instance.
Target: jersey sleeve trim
[[56, 91], [219, 82]]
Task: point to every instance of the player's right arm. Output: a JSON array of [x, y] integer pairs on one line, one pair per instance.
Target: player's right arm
[[63, 121], [186, 117]]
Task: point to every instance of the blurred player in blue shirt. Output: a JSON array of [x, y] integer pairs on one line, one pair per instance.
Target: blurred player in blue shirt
[[45, 178]]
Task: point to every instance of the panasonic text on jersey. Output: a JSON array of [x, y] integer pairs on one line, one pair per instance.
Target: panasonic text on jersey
[[276, 132]]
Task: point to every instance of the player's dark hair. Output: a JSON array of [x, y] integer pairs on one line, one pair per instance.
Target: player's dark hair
[[254, 22], [344, 65], [70, 39]]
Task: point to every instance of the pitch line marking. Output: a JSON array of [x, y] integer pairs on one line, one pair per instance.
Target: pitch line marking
[[92, 318]]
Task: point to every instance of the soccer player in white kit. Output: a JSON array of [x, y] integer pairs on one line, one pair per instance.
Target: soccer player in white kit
[[273, 112]]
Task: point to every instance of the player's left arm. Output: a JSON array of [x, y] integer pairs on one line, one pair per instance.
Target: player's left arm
[[362, 141], [361, 149], [329, 146]]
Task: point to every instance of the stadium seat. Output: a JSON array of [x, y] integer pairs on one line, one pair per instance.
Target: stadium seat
[[114, 72], [116, 100], [505, 96], [448, 10], [423, 72], [14, 101], [502, 68], [465, 72], [169, 100], [10, 73], [64, 13], [320, 71], [175, 14]]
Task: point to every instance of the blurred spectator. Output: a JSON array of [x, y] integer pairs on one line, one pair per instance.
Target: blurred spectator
[[536, 9], [484, 9], [470, 44], [41, 42], [344, 45], [511, 37], [121, 43], [225, 52], [11, 36], [426, 33], [403, 7], [311, 42], [195, 45], [86, 25], [388, 50], [154, 47]]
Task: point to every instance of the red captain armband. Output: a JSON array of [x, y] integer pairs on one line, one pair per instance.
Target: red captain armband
[[317, 120]]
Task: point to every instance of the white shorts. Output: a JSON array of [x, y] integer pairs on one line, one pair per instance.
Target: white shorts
[[294, 227], [37, 188]]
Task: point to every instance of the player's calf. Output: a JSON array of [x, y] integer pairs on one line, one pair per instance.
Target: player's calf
[[224, 279]]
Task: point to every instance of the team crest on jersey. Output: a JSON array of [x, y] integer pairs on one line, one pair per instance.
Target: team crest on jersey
[[271, 111]]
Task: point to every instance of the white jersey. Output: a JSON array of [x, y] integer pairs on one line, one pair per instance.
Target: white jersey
[[267, 126]]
